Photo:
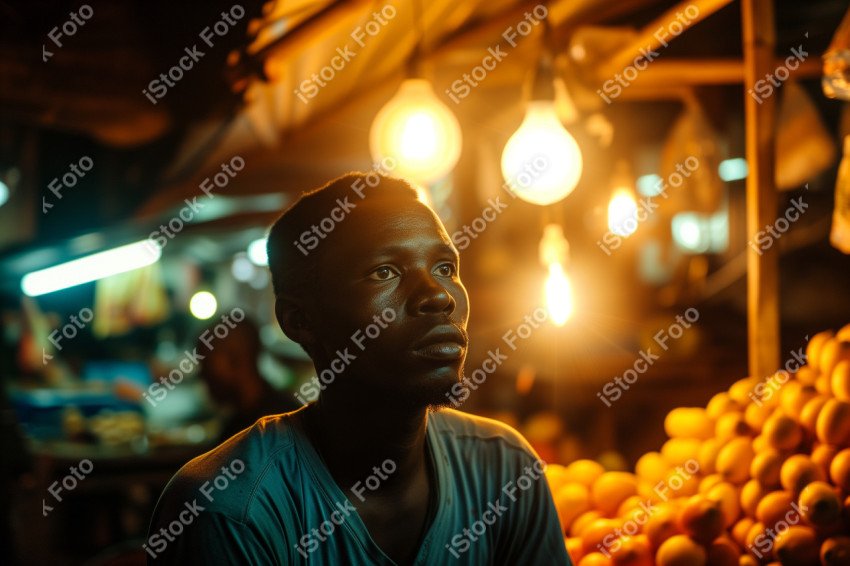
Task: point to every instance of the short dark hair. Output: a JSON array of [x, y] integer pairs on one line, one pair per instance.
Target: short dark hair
[[292, 270]]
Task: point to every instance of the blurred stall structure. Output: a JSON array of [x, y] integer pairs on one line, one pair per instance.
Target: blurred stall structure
[[104, 144]]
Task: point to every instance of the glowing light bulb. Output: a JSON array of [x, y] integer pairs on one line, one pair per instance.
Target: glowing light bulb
[[541, 162], [622, 213], [418, 131], [203, 305], [558, 292]]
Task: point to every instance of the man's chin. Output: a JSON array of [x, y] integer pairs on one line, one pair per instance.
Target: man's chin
[[431, 389]]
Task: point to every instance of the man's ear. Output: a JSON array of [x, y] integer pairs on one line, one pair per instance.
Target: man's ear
[[293, 321]]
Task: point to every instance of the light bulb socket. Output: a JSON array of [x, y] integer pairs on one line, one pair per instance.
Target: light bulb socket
[[542, 81]]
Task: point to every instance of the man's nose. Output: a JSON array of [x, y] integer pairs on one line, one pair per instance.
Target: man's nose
[[430, 296]]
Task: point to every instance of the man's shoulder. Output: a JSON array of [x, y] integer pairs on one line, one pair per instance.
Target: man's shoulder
[[474, 429], [225, 478]]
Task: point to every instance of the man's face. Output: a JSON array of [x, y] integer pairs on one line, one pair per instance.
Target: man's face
[[390, 293]]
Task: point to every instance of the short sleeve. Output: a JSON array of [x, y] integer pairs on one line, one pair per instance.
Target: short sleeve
[[211, 538], [534, 534]]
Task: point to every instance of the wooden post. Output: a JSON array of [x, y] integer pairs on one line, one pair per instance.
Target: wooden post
[[762, 266]]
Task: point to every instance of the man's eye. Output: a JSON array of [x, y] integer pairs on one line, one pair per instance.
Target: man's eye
[[446, 269], [383, 273]]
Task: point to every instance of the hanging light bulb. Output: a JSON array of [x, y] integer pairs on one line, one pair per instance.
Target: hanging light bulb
[[558, 292], [418, 131], [542, 162], [622, 208]]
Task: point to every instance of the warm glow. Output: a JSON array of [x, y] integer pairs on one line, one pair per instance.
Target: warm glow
[[559, 295], [418, 131], [541, 161], [91, 268], [622, 213], [203, 305]]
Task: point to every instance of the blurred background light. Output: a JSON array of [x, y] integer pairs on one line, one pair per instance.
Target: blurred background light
[[203, 305], [257, 252]]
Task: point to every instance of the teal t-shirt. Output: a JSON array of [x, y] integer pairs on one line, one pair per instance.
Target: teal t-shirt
[[265, 497]]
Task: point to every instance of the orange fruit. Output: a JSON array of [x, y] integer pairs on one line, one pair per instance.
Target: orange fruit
[[806, 375], [741, 390], [810, 412], [731, 425], [833, 423], [757, 541], [677, 451], [651, 467], [774, 507], [702, 519], [556, 476], [798, 546], [782, 432], [574, 549], [833, 352], [723, 552], [755, 416], [582, 521], [680, 550], [751, 494], [840, 380], [815, 347], [765, 467], [708, 482], [721, 403], [707, 455], [839, 470], [584, 472], [740, 529], [595, 559], [688, 422], [822, 455], [748, 560], [661, 525], [835, 551], [798, 471], [729, 498], [571, 500], [597, 533], [820, 505], [633, 552], [611, 489], [733, 460], [794, 396]]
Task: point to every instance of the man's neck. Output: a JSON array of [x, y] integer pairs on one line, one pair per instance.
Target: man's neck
[[353, 437]]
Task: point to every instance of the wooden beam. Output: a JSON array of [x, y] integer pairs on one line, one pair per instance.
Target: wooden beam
[[762, 265], [708, 71], [669, 22]]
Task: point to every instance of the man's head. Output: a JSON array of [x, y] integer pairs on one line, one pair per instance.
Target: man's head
[[366, 280]]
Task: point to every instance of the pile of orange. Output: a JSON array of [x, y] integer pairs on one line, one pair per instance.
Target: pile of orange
[[761, 475]]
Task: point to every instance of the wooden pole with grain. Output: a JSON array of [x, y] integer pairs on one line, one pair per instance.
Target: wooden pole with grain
[[762, 265]]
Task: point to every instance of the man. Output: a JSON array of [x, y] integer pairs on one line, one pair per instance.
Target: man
[[366, 280]]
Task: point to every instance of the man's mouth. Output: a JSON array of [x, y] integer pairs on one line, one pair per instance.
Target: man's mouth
[[445, 343]]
